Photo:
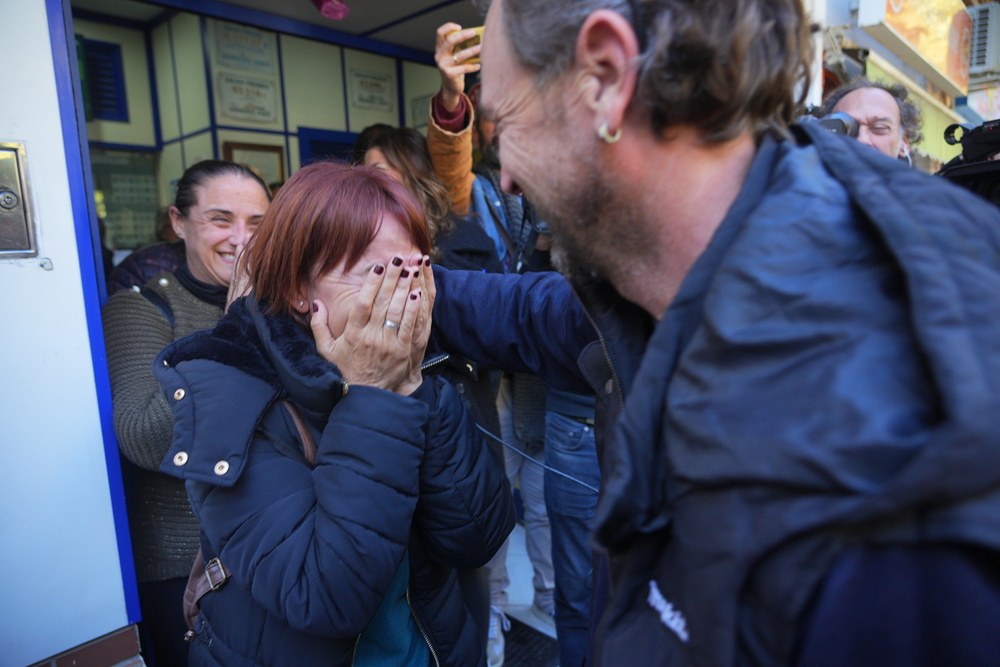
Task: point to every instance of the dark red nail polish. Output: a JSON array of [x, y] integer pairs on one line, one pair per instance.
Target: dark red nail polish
[[413, 297], [315, 307], [427, 262], [379, 269], [416, 274], [397, 261], [404, 274]]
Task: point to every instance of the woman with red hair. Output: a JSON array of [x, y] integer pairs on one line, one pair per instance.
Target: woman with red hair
[[350, 555]]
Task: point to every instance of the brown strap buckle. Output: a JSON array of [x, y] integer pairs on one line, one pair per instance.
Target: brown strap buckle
[[215, 574]]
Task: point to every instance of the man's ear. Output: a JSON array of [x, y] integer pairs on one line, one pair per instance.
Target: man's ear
[[606, 53], [904, 149]]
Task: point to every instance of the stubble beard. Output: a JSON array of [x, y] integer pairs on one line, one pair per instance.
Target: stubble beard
[[490, 157], [581, 221]]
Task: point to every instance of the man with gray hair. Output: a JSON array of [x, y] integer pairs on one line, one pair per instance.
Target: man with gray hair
[[887, 120], [793, 338]]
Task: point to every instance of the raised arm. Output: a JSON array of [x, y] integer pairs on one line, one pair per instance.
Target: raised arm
[[449, 132]]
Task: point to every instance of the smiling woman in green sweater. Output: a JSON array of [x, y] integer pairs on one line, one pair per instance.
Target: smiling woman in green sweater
[[217, 207]]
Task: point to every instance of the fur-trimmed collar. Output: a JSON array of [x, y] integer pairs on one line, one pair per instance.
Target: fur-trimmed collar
[[273, 348]]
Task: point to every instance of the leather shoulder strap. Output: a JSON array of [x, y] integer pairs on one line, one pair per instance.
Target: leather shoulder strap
[[207, 577], [308, 444]]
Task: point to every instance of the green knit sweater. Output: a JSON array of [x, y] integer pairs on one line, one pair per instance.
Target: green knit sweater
[[164, 530]]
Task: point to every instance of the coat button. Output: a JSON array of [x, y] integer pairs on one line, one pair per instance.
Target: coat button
[[179, 394], [164, 282], [180, 458], [609, 387], [221, 468], [166, 363]]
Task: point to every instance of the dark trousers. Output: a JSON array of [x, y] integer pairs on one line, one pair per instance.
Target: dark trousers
[[161, 632]]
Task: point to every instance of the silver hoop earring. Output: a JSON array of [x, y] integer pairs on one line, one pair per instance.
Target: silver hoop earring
[[301, 304], [606, 136]]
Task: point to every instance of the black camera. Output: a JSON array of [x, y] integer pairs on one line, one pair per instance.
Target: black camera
[[837, 122], [973, 169]]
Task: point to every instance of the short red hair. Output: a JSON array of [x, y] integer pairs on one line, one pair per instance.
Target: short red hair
[[325, 214]]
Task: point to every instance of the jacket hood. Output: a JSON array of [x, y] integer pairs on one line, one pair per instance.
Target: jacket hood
[[275, 349], [233, 373]]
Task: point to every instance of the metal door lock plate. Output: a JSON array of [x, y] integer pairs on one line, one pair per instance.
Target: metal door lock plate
[[17, 229]]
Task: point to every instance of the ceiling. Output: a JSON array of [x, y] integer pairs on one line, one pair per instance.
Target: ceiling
[[407, 23]]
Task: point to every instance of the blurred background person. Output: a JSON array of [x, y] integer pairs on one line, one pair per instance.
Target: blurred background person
[[364, 139], [887, 120], [145, 263], [218, 205], [458, 242]]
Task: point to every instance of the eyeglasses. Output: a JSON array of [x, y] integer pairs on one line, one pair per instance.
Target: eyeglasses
[[638, 23]]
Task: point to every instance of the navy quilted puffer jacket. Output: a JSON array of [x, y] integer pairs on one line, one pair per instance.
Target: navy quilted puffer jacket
[[312, 550]]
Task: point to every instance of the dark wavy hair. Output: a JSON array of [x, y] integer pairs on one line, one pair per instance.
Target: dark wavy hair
[[406, 151], [909, 115], [723, 66]]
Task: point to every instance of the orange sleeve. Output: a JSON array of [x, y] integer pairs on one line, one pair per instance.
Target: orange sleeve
[[451, 153]]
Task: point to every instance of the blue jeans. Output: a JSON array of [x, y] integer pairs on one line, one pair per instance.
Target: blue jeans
[[569, 448]]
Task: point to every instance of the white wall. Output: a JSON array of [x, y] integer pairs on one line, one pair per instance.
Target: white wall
[[189, 58], [420, 83], [60, 576], [363, 63], [166, 84], [314, 84]]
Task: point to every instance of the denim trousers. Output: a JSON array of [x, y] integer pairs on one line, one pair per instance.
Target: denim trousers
[[570, 449]]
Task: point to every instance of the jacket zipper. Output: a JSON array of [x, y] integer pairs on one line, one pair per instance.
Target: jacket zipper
[[354, 653], [435, 361], [420, 626]]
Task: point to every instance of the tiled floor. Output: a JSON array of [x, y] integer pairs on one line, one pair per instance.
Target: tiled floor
[[525, 648]]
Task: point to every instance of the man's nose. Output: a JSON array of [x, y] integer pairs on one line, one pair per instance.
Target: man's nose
[[864, 136], [508, 184]]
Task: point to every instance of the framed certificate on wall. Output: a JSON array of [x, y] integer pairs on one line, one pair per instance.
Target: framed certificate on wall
[[269, 161]]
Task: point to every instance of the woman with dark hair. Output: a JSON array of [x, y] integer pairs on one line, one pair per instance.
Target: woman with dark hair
[[459, 243], [217, 207], [342, 488]]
